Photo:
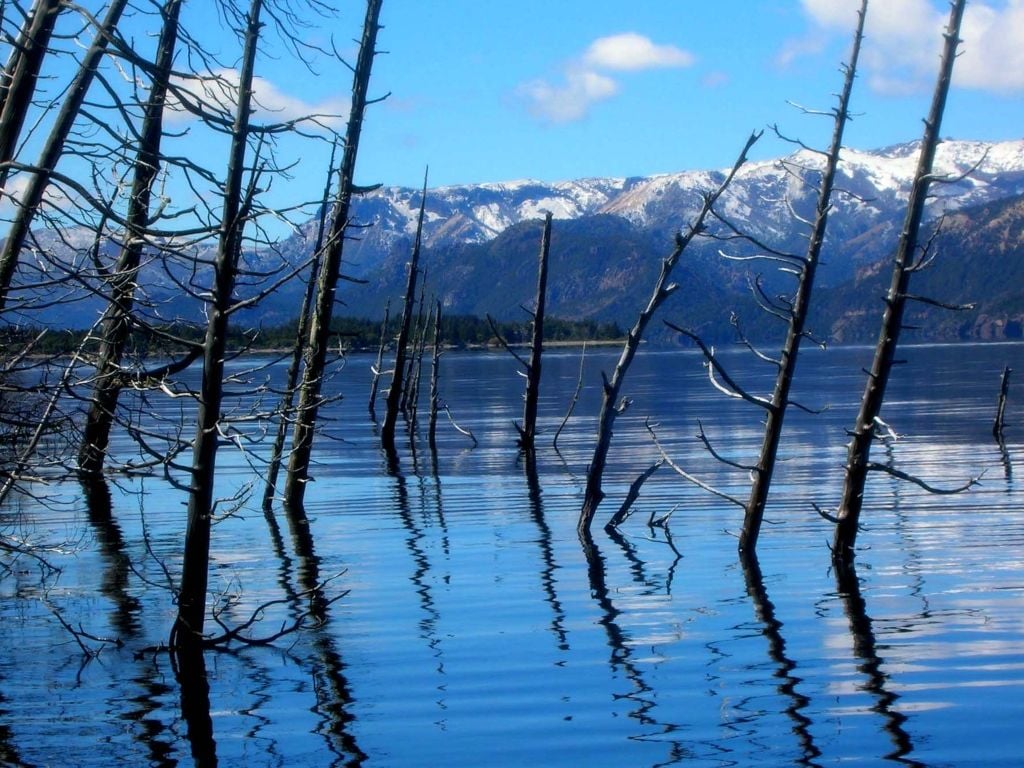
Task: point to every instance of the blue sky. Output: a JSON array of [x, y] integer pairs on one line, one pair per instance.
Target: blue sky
[[563, 89], [491, 91]]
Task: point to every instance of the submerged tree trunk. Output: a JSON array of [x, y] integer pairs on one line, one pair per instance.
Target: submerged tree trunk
[[330, 269], [528, 431], [188, 628], [116, 327], [394, 399], [857, 463], [29, 202], [610, 407], [776, 409]]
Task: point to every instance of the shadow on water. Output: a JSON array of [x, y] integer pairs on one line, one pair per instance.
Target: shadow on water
[[865, 648], [785, 667], [547, 553], [115, 581], [334, 698]]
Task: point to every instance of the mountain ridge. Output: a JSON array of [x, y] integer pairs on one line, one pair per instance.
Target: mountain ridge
[[610, 234]]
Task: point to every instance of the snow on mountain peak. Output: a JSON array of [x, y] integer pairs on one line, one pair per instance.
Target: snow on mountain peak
[[761, 190]]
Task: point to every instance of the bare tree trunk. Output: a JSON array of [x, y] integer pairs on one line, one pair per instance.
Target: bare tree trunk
[[375, 381], [1004, 388], [411, 395], [610, 407], [776, 410], [435, 372], [116, 326], [20, 76], [575, 398], [387, 433], [528, 432], [29, 202], [330, 268], [188, 628], [292, 377], [848, 516]]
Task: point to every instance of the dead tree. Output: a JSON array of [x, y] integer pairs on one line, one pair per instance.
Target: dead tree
[[798, 310], [532, 366], [411, 393], [379, 362], [286, 407], [29, 202], [1004, 388], [528, 431], [188, 627], [905, 263], [793, 311], [116, 324], [435, 373], [315, 355], [611, 405], [394, 399], [21, 74]]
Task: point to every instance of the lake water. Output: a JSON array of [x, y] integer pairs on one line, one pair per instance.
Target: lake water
[[473, 627]]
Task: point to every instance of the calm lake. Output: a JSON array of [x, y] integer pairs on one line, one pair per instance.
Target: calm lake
[[473, 627]]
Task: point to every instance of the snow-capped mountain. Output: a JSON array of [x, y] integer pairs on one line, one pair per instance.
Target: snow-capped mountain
[[872, 184], [609, 236]]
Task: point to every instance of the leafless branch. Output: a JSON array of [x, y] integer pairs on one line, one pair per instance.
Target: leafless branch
[[686, 475]]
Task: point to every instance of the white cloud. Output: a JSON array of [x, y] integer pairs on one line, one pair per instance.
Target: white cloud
[[570, 101], [993, 48], [584, 79], [904, 38], [270, 103], [631, 52]]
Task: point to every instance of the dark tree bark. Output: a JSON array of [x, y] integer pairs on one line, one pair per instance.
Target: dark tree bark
[[21, 74], [610, 405], [330, 269], [776, 408], [375, 381], [528, 431], [435, 374], [1004, 388], [117, 324], [394, 399], [51, 153], [858, 456], [188, 628], [292, 377]]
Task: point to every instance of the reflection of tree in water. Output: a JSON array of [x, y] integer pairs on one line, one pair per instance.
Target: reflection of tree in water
[[115, 582], [642, 695], [547, 554], [865, 648], [333, 693], [190, 670], [153, 734], [420, 576], [764, 609], [8, 752]]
